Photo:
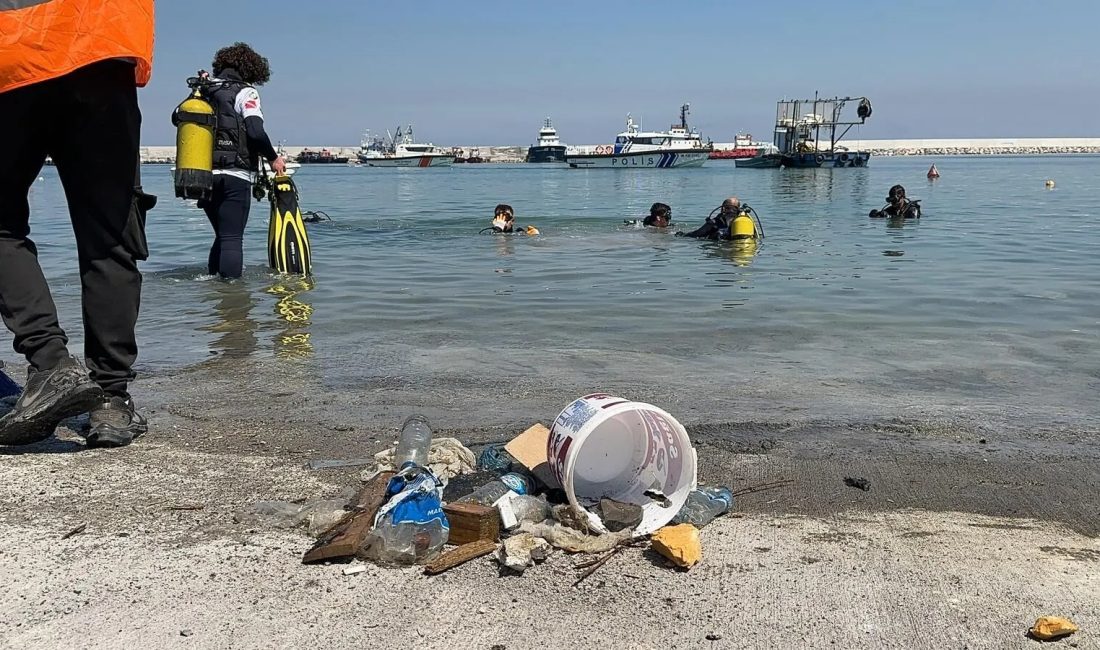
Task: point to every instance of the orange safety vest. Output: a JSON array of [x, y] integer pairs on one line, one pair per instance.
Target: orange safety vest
[[44, 39]]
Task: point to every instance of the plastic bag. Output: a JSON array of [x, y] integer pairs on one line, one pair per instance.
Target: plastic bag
[[574, 541], [447, 458]]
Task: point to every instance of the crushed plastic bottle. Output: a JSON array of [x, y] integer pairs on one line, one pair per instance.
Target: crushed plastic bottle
[[703, 505], [411, 527], [489, 493], [414, 443]]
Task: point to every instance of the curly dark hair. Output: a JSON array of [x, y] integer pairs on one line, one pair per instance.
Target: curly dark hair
[[252, 67]]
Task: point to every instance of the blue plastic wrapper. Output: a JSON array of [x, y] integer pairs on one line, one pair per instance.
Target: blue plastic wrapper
[[415, 496]]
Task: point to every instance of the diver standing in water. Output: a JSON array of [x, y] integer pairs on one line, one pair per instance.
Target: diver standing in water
[[898, 205], [731, 223], [239, 141]]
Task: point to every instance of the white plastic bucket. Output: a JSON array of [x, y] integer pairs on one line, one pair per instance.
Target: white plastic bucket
[[606, 446]]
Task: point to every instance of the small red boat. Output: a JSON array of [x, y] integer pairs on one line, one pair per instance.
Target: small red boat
[[743, 147]]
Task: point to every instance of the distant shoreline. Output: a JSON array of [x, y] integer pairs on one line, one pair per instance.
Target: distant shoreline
[[909, 147]]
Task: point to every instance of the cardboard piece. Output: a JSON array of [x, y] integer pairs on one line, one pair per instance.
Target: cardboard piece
[[529, 448]]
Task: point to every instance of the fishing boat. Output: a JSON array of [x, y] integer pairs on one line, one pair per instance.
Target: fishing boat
[[403, 151], [743, 146], [808, 134], [634, 148], [322, 157], [549, 148]]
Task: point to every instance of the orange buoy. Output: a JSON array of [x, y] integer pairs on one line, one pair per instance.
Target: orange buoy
[[933, 172]]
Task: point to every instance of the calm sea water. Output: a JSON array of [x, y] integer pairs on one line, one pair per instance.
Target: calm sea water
[[994, 296]]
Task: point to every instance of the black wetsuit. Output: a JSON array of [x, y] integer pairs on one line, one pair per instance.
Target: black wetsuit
[[713, 228], [907, 209]]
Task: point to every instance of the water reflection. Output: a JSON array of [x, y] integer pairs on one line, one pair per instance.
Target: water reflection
[[292, 338], [233, 325]]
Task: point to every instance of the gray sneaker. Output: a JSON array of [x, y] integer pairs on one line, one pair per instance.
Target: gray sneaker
[[49, 397], [114, 423]]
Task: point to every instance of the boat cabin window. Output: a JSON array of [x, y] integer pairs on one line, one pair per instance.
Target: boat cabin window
[[620, 140], [417, 149]]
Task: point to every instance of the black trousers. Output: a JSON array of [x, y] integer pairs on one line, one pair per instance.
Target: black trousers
[[88, 121], [227, 211]]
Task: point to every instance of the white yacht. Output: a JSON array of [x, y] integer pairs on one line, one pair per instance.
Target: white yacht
[[402, 151], [677, 147]]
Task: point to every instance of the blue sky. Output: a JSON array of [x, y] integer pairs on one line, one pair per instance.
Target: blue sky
[[488, 72]]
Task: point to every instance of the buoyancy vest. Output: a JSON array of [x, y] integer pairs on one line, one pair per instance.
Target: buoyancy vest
[[230, 141]]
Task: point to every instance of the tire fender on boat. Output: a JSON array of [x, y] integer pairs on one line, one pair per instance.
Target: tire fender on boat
[[820, 159]]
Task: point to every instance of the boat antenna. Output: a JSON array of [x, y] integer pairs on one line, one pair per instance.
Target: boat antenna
[[684, 110]]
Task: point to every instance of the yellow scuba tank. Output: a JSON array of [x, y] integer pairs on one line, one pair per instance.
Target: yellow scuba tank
[[743, 227], [195, 123]]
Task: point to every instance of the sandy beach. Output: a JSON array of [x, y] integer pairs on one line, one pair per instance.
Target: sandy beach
[[966, 536]]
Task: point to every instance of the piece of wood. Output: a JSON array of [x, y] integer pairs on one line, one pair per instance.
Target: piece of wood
[[471, 522], [345, 538], [459, 555], [76, 531]]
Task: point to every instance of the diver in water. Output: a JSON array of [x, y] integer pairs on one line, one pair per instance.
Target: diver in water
[[504, 222], [898, 205], [660, 216], [504, 218], [731, 223]]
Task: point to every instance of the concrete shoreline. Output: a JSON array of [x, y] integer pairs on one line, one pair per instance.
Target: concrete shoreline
[[911, 147]]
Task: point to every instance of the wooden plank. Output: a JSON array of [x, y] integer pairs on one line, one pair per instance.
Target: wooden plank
[[459, 555], [471, 522], [345, 538]]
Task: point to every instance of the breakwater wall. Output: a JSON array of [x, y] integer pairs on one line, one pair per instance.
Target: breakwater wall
[[912, 147]]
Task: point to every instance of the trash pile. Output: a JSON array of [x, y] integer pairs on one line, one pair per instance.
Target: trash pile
[[609, 473]]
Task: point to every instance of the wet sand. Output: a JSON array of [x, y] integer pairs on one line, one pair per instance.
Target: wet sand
[[968, 533]]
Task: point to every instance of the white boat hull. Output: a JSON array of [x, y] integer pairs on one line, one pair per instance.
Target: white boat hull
[[648, 159], [410, 161]]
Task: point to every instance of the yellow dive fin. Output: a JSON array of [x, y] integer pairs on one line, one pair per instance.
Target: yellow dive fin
[[287, 240]]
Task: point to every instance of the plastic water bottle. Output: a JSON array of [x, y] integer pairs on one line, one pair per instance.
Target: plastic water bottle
[[414, 442], [703, 505], [488, 494]]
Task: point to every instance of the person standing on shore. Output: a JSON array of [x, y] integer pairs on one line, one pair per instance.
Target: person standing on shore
[[239, 141], [69, 73]]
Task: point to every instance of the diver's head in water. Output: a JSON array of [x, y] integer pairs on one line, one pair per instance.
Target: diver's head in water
[[897, 195], [731, 207], [660, 216], [504, 219]]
